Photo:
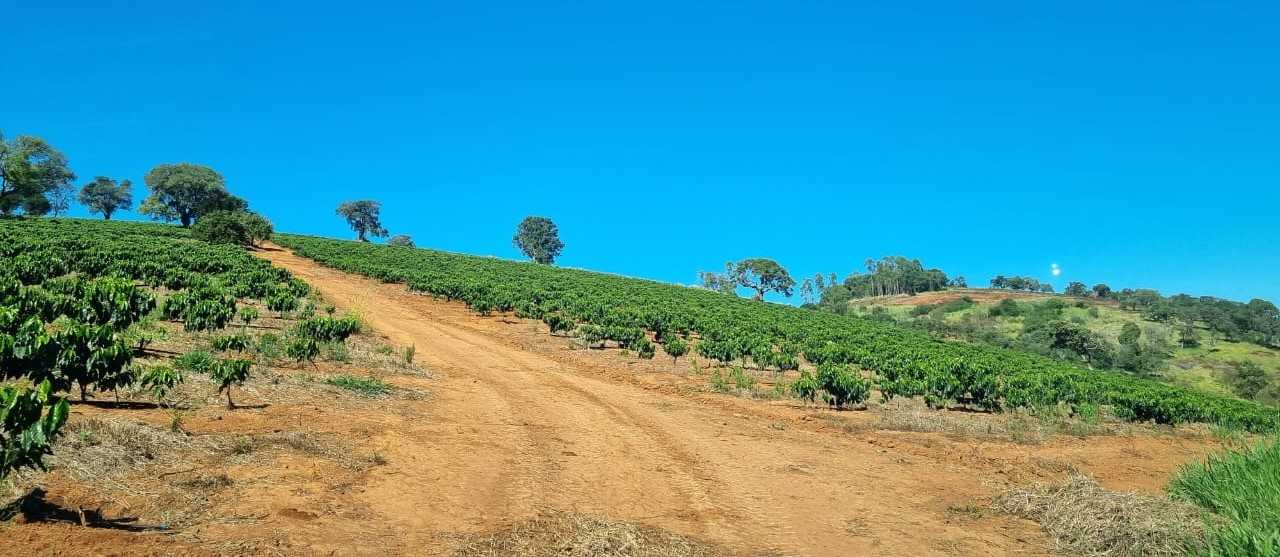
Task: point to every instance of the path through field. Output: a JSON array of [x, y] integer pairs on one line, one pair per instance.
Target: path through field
[[512, 431]]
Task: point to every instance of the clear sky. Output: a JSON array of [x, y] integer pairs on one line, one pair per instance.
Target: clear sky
[[1132, 143]]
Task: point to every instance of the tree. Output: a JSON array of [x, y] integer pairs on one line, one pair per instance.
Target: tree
[[257, 226], [724, 283], [960, 282], [763, 276], [1130, 334], [184, 192], [364, 218], [401, 240], [230, 372], [1247, 379], [222, 227], [1076, 288], [1102, 290], [105, 196], [539, 239], [34, 177]]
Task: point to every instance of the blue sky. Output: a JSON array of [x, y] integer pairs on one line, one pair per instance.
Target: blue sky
[[1132, 143]]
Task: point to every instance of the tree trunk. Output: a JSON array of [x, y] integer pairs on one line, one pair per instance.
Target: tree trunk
[[186, 220], [230, 405], [82, 396]]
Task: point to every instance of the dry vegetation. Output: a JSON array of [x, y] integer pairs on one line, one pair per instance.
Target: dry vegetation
[[1083, 518], [565, 534]]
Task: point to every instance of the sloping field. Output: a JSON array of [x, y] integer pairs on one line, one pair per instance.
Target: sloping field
[[492, 437]]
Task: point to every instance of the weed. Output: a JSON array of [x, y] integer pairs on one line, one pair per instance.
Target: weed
[[370, 387]]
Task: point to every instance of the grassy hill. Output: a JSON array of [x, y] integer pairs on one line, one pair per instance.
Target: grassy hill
[[968, 313]]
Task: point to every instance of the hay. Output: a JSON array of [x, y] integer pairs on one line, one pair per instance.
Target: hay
[[1083, 518], [563, 534]]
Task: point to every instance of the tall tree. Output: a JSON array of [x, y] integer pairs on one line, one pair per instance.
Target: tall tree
[[364, 217], [34, 177], [1076, 288], [1101, 290], [764, 276], [539, 239], [105, 196], [185, 191]]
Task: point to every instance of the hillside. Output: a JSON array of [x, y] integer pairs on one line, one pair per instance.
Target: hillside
[[425, 408], [1208, 367]]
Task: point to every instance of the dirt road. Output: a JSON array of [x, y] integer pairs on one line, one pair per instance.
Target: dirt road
[[512, 431]]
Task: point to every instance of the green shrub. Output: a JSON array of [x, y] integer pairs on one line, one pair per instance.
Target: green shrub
[[237, 342], [230, 372], [843, 384], [675, 347], [644, 348], [558, 323]]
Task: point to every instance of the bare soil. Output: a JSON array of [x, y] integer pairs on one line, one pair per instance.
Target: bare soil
[[520, 425], [979, 295]]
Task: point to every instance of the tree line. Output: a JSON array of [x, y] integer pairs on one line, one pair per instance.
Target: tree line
[[36, 180]]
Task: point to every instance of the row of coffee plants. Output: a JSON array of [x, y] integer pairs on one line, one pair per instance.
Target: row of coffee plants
[[71, 291], [904, 363]]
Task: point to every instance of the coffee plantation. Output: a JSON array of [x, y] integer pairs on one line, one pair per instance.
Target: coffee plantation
[[900, 362]]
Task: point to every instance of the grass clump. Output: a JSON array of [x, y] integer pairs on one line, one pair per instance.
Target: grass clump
[[370, 387], [1083, 518], [1242, 487]]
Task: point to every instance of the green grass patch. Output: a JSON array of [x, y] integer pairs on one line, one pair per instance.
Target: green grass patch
[[363, 386], [1243, 488]]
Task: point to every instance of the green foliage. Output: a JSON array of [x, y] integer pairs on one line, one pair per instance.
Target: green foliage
[[282, 303], [906, 362], [644, 348], [237, 342], [370, 387], [759, 274], [230, 372], [539, 239], [401, 240], [302, 348], [1242, 487], [247, 315], [106, 196], [1006, 307], [806, 387], [30, 420], [675, 347], [1247, 379], [34, 176], [594, 335], [328, 329], [195, 361], [185, 192], [239, 228], [843, 385], [201, 309], [558, 323], [364, 217], [161, 382]]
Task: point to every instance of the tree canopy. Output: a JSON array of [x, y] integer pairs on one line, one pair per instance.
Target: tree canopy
[[106, 196], [184, 192], [34, 177], [364, 218], [402, 240], [539, 239], [759, 274]]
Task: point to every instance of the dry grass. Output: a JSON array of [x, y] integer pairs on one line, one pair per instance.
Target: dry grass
[[1083, 518], [106, 449], [563, 534]]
